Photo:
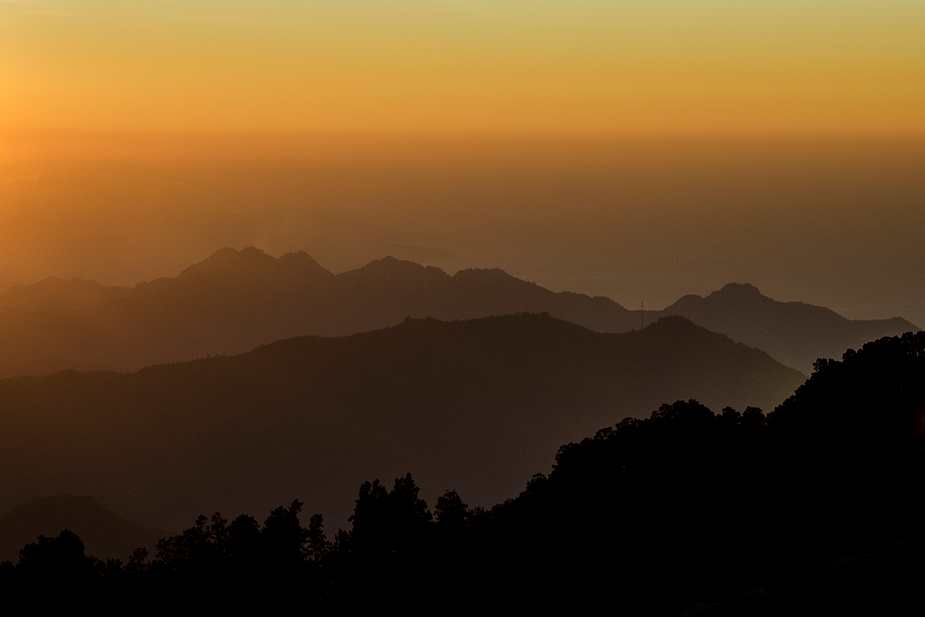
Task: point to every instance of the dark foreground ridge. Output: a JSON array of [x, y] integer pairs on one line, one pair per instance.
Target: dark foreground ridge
[[814, 509]]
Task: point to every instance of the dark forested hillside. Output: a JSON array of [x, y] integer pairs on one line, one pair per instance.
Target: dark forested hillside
[[476, 405], [815, 508], [103, 532]]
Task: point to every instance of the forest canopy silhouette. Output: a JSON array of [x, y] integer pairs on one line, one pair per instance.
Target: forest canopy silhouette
[[817, 504]]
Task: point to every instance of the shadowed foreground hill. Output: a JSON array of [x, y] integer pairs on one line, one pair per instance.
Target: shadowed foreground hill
[[794, 333], [815, 509], [477, 405], [103, 532]]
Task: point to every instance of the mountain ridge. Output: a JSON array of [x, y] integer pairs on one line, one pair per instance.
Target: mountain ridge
[[795, 333], [236, 300], [479, 405]]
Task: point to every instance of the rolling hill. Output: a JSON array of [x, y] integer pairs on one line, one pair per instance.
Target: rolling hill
[[477, 406], [794, 333], [237, 300]]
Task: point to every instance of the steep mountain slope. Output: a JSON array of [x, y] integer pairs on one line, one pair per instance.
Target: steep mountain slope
[[478, 406], [792, 332]]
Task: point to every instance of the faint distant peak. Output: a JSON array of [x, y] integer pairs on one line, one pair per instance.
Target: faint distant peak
[[729, 294], [489, 276], [733, 298], [253, 263], [747, 296], [393, 263], [390, 268], [227, 259], [738, 290], [57, 294], [302, 262]]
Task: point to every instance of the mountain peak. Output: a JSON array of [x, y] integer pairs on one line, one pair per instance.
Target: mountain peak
[[301, 262], [252, 263], [737, 294], [388, 269], [739, 289], [227, 259]]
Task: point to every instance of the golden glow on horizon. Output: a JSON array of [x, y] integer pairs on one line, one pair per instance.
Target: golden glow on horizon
[[669, 66]]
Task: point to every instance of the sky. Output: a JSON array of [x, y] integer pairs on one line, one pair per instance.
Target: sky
[[636, 149], [463, 66]]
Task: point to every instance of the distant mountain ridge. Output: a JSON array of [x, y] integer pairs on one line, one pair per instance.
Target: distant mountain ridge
[[54, 294], [794, 333], [478, 406], [234, 301]]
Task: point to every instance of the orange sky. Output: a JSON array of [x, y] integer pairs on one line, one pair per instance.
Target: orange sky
[[817, 66], [638, 149]]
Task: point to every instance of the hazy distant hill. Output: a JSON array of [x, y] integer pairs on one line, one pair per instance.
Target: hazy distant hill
[[478, 406], [797, 334], [54, 294], [5, 284], [103, 533], [236, 300]]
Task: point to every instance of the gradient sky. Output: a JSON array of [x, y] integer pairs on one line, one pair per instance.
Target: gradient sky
[[636, 149], [473, 65]]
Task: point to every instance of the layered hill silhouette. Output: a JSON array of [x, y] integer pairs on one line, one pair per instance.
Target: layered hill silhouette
[[55, 294], [478, 406], [815, 508], [236, 300], [794, 333]]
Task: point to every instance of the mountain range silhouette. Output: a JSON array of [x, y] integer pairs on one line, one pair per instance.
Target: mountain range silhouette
[[236, 300], [477, 405], [795, 333]]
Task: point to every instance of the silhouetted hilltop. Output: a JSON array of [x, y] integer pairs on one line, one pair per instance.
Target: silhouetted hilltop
[[103, 532], [54, 294], [236, 300], [478, 405], [253, 265], [245, 269], [795, 333], [815, 508], [494, 291]]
